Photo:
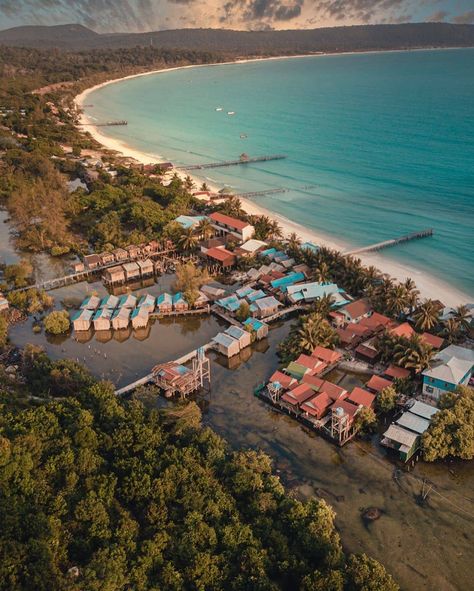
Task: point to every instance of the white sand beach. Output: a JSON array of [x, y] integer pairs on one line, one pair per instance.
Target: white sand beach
[[428, 285]]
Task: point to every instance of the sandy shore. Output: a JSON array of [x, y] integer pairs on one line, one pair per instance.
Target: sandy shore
[[428, 285]]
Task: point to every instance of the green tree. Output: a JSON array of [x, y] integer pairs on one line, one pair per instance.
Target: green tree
[[387, 399], [426, 316], [365, 420], [243, 312], [57, 322], [3, 332], [366, 574]]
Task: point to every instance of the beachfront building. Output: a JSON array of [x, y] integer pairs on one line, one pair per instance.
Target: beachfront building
[[121, 318], [220, 257], [265, 307], [258, 327], [226, 345], [140, 317], [132, 271], [310, 292], [450, 368], [241, 336], [114, 275], [251, 248], [230, 227], [90, 303], [146, 267], [81, 320], [102, 319], [164, 303]]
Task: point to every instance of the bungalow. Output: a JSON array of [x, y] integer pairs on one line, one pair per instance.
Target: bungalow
[[133, 251], [127, 301], [315, 366], [120, 255], [403, 330], [189, 221], [90, 303], [179, 303], [393, 372], [242, 336], [451, 367], [106, 258], [221, 257], [146, 267], [259, 328], [164, 303], [310, 292], [334, 391], [251, 248], [201, 301], [102, 319], [292, 399], [109, 301], [361, 397], [376, 322], [213, 293], [226, 345], [226, 225], [254, 295], [132, 271], [367, 351], [114, 275], [315, 408], [92, 261], [376, 384], [328, 356], [432, 340], [140, 317], [147, 301], [243, 291], [355, 311], [78, 267], [265, 307], [121, 318], [81, 320]]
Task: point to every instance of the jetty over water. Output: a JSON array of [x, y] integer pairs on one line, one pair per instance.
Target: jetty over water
[[249, 195], [241, 160], [392, 242], [108, 123]]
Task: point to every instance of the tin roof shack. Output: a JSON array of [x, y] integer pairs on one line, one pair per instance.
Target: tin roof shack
[[258, 327], [92, 261], [90, 303], [106, 258], [230, 303], [121, 318], [133, 251], [146, 268], [132, 271], [164, 303], [226, 225], [242, 336], [120, 255], [81, 320], [226, 345], [293, 399], [127, 301], [265, 307], [147, 301], [102, 319], [251, 248], [109, 301], [140, 317], [201, 301], [179, 303], [78, 267], [213, 293], [114, 275], [400, 439], [223, 258]]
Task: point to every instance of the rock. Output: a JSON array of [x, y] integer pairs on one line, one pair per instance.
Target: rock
[[371, 514], [10, 369]]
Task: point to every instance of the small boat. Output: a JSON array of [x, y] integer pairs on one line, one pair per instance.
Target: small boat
[[230, 112], [219, 109], [243, 136]]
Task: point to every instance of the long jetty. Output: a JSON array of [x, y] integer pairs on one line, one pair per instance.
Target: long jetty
[[392, 242], [220, 196], [231, 162], [107, 123]]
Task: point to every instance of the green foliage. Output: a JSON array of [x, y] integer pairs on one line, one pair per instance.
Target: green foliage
[[19, 274], [305, 335], [387, 399], [189, 279], [243, 311], [366, 574], [451, 433], [57, 322], [365, 420], [3, 331], [31, 301]]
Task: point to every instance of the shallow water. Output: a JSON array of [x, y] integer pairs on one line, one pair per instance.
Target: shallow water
[[378, 145]]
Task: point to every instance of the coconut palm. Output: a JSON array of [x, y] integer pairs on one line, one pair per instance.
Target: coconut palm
[[426, 316], [462, 315], [205, 228], [397, 299], [314, 331], [321, 273], [323, 305], [294, 242], [233, 207], [188, 240], [275, 230], [263, 226], [451, 330], [189, 183], [413, 354], [204, 187]]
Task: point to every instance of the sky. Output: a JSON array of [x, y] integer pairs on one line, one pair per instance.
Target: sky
[[107, 16]]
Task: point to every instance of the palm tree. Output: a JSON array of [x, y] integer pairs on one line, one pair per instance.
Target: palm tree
[[233, 207], [426, 316], [397, 299], [413, 354], [263, 226], [323, 305], [451, 331], [188, 240], [412, 293], [189, 183], [462, 315], [315, 331], [205, 228], [275, 230], [321, 273], [204, 187], [294, 242]]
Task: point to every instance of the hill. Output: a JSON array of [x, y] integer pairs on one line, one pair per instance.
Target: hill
[[336, 39]]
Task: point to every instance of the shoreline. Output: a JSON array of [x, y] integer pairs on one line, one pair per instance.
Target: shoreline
[[428, 285]]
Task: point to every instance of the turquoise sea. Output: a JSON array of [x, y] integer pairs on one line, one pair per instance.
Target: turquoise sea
[[377, 145]]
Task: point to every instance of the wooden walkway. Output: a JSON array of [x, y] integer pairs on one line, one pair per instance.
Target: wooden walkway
[[175, 313], [231, 162], [218, 312], [219, 196], [283, 312], [388, 243]]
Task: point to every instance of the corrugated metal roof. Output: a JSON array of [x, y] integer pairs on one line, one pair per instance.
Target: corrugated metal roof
[[422, 409], [401, 435], [236, 332], [224, 340], [413, 422]]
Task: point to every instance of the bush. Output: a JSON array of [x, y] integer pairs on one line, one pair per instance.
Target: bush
[[57, 322], [58, 251]]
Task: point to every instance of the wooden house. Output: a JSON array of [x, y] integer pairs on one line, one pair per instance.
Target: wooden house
[[293, 399], [121, 318], [164, 303], [258, 327], [179, 303], [316, 407], [146, 267], [81, 320], [221, 257], [102, 319], [114, 275], [265, 307], [226, 345], [132, 271], [201, 301], [120, 255], [133, 251], [106, 258], [140, 317], [376, 384], [92, 261], [147, 301], [78, 267], [90, 303], [242, 336], [109, 301], [127, 301]]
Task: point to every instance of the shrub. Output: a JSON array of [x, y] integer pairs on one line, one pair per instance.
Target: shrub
[[57, 322]]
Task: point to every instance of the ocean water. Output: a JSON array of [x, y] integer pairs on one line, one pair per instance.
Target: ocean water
[[377, 145]]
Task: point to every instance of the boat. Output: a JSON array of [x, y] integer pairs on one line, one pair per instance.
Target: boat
[[230, 112], [243, 136], [219, 109]]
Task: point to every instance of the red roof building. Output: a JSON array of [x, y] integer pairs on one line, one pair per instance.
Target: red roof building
[[376, 322], [221, 256], [333, 391], [356, 311], [402, 331], [359, 396], [348, 408], [377, 383], [394, 372], [327, 355], [432, 340], [298, 395], [283, 379], [317, 406], [229, 225], [313, 382]]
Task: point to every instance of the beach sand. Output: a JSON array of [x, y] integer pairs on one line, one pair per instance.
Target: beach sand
[[428, 285]]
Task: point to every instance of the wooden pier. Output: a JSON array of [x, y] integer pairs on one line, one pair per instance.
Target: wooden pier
[[107, 123], [389, 243], [262, 193], [175, 313], [231, 162]]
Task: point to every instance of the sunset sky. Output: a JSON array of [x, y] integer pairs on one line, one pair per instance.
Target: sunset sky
[[147, 15]]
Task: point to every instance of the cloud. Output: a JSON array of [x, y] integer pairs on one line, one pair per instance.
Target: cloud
[[467, 18], [438, 17]]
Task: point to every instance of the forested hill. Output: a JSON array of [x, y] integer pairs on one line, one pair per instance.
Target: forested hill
[[354, 38]]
